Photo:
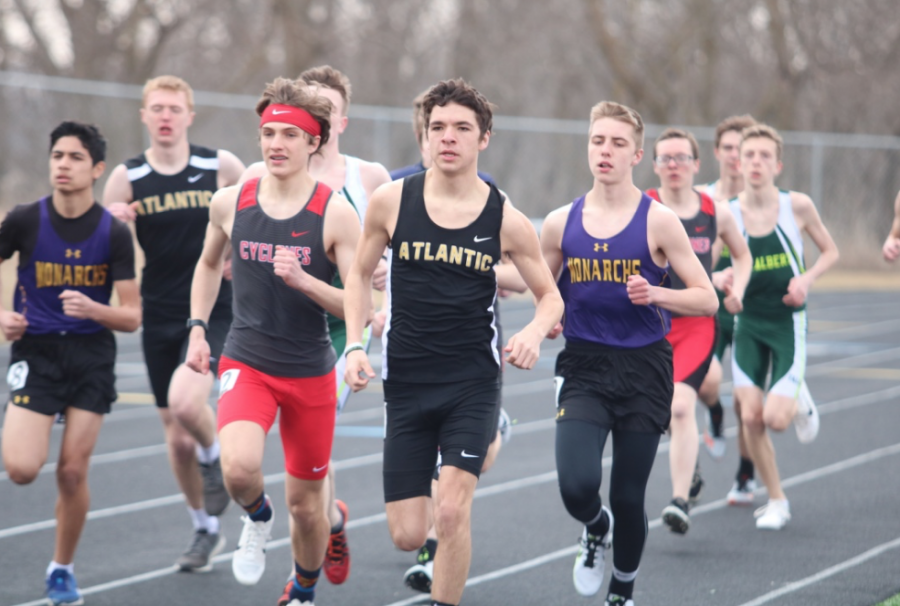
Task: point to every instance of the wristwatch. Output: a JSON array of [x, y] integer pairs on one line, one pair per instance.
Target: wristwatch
[[192, 323]]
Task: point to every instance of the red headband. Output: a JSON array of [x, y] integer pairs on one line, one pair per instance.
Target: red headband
[[296, 116]]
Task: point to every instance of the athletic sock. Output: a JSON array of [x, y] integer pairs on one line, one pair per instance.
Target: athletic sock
[[70, 568], [260, 510], [427, 551], [599, 526], [203, 521], [340, 525], [745, 469], [208, 455], [717, 414], [622, 583], [304, 587]]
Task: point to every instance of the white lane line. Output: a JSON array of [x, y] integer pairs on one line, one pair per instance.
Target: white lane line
[[715, 505], [499, 489], [824, 574], [109, 457]]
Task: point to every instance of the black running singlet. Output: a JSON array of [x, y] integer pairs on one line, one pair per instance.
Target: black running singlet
[[441, 325], [276, 329], [172, 215]]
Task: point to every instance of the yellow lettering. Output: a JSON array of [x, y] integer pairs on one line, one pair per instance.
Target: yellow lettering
[[477, 260], [626, 268], [157, 207], [88, 281], [428, 256], [607, 270], [181, 199], [585, 269], [207, 198], [67, 275], [169, 203], [456, 254], [441, 254], [38, 274], [636, 267], [418, 246], [403, 253], [192, 198], [469, 254], [616, 265], [596, 276], [487, 262], [57, 275], [79, 275]]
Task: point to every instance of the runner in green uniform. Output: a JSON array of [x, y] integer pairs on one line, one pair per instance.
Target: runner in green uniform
[[729, 184], [771, 329]]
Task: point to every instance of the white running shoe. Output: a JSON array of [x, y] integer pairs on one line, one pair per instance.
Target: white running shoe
[[249, 561], [774, 515], [590, 561], [806, 421], [296, 602], [419, 577], [617, 600], [741, 494]]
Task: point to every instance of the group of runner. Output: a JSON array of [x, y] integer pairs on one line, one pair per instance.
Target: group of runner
[[264, 276]]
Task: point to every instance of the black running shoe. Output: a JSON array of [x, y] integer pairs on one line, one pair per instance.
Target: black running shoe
[[675, 516]]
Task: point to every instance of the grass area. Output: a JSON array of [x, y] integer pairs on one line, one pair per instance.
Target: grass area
[[894, 601]]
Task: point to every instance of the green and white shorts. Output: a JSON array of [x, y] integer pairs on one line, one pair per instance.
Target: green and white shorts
[[764, 343], [339, 342]]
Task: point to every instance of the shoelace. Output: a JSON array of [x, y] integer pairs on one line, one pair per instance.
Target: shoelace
[[251, 538], [337, 548], [590, 546]]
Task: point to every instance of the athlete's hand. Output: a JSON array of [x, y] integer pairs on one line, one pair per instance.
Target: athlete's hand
[[797, 289], [639, 290], [124, 211], [891, 249], [524, 348], [77, 304], [378, 323], [556, 331], [226, 268], [723, 280], [379, 278], [287, 267], [197, 357], [13, 325], [733, 301], [358, 370]]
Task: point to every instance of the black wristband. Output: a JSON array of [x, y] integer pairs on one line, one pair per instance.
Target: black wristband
[[193, 322]]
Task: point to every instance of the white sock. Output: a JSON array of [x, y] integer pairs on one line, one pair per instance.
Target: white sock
[[204, 521], [212, 524], [70, 568], [208, 455]]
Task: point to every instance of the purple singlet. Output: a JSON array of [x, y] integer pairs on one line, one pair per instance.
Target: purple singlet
[[593, 283]]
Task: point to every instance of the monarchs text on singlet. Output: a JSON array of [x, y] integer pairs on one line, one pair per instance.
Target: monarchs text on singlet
[[276, 329], [594, 277], [172, 214], [441, 324], [702, 231]]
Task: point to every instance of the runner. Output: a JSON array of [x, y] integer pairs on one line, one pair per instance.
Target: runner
[[278, 357], [772, 328], [447, 228], [71, 255], [356, 179], [166, 192], [615, 374], [891, 249], [729, 184], [693, 339]]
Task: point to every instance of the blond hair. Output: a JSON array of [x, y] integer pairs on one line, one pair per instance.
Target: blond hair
[[170, 83], [764, 131], [735, 123], [329, 77], [620, 113]]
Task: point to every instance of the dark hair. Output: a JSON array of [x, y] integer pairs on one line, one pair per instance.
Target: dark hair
[[282, 91], [88, 134], [460, 92]]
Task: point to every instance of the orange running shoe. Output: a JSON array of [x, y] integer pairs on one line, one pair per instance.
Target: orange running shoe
[[337, 558], [285, 599]]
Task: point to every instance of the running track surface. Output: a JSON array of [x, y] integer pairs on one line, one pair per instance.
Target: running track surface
[[842, 546]]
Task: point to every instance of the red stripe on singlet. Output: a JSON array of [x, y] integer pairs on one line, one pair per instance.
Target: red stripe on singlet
[[248, 194], [317, 203]]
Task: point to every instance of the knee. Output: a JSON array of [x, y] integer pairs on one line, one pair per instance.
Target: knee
[[307, 511], [182, 446], [577, 496], [777, 420], [408, 538], [70, 477], [21, 473], [238, 476], [752, 420], [450, 518], [682, 411]]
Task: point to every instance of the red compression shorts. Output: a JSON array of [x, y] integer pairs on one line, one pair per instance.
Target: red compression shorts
[[307, 412], [693, 341]]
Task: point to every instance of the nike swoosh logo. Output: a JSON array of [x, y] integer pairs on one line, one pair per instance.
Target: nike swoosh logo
[[699, 229], [469, 456], [195, 178], [297, 235], [318, 469], [477, 239], [275, 112]]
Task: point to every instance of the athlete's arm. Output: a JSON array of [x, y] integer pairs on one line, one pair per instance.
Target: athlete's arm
[[809, 221], [373, 176], [12, 324], [891, 248], [257, 169], [665, 234], [208, 274], [741, 260], [380, 220], [340, 234], [509, 278], [125, 317], [551, 248], [521, 243], [118, 196], [230, 169]]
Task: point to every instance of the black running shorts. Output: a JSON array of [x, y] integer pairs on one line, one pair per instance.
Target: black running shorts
[[48, 374], [616, 388], [165, 342], [460, 418]]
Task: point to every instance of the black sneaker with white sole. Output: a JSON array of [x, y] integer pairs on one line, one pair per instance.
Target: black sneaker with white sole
[[675, 516]]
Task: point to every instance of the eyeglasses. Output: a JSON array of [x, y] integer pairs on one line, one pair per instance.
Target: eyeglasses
[[680, 159]]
